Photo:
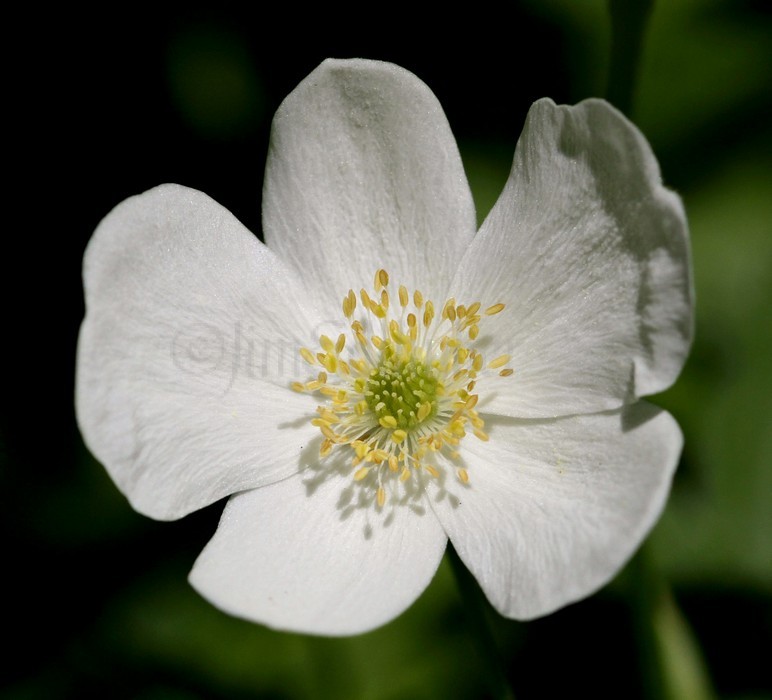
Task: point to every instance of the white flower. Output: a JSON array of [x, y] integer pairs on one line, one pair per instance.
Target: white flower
[[513, 426]]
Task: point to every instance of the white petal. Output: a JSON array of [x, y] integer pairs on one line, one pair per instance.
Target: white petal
[[555, 508], [363, 172], [300, 556], [186, 354], [590, 253]]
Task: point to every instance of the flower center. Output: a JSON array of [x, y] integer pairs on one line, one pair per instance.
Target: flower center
[[403, 392], [398, 389]]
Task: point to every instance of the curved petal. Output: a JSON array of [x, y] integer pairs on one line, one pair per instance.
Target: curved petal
[[590, 253], [555, 508], [293, 557], [186, 354], [362, 173]]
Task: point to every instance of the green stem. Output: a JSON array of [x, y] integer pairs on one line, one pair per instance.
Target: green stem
[[672, 666], [476, 606], [646, 593], [628, 25]]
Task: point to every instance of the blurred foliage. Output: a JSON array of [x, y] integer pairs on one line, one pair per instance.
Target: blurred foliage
[[99, 602], [718, 526], [213, 82]]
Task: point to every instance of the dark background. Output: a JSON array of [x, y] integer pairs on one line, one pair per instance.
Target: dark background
[[104, 104]]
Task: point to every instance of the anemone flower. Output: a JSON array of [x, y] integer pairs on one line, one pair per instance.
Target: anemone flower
[[378, 377]]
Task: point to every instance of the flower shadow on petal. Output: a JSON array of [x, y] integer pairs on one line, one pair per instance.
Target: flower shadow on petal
[[300, 422], [446, 487], [643, 413], [651, 228], [631, 417], [357, 499]]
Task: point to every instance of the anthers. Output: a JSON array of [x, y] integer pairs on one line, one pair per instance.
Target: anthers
[[398, 391]]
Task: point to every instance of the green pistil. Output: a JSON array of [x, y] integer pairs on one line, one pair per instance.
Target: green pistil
[[398, 389]]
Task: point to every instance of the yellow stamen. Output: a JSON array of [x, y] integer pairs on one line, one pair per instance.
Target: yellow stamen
[[449, 310], [473, 309], [326, 414], [308, 356], [388, 421], [492, 310], [349, 303], [360, 448], [378, 456], [327, 431], [457, 428], [428, 313], [500, 361], [398, 436]]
